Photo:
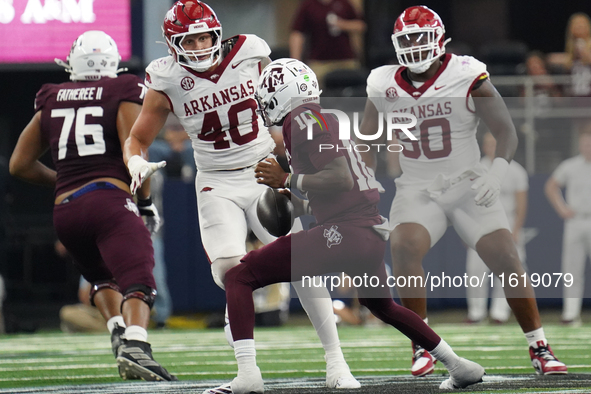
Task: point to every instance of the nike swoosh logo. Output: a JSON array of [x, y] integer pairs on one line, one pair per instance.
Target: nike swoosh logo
[[439, 87], [236, 64]]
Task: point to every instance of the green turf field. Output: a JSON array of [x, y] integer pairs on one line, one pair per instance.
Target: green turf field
[[57, 359]]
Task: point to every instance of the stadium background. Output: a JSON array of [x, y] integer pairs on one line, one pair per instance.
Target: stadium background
[[38, 282]]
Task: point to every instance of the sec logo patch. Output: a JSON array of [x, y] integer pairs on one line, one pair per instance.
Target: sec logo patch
[[187, 83], [391, 94]]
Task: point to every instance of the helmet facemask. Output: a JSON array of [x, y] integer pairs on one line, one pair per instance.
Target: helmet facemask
[[418, 47], [191, 58]]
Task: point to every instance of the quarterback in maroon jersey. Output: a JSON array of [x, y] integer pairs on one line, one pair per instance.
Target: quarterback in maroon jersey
[[350, 235], [84, 123]]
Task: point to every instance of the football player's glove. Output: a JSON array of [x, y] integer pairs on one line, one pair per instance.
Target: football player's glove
[[489, 185], [140, 170], [149, 214]]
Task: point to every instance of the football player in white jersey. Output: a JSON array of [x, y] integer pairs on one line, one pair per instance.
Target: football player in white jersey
[[574, 175], [442, 181], [513, 198], [209, 85]]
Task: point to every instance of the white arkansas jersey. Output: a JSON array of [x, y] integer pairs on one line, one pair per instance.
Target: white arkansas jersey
[[217, 108], [446, 123]]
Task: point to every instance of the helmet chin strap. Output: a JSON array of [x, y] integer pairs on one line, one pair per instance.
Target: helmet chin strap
[[65, 65]]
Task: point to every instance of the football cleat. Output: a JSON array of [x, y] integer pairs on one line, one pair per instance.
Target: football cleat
[[117, 338], [223, 389], [462, 375], [423, 363], [135, 361], [252, 383], [544, 361], [338, 376]]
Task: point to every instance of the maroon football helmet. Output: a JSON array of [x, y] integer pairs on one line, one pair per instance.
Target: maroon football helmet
[[189, 17], [419, 38]]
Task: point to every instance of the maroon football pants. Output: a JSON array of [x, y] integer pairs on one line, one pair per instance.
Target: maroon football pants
[[106, 238], [358, 251]]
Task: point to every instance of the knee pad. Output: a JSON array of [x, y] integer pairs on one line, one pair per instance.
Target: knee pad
[[98, 286], [142, 292]]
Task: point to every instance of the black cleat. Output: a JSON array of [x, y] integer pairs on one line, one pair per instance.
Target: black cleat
[[136, 362]]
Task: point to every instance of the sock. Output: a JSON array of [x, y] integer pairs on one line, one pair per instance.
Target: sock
[[444, 353], [136, 333], [228, 329], [246, 355], [533, 337], [318, 305], [115, 320]]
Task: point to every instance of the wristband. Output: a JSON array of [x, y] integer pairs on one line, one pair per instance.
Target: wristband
[[146, 202], [286, 183]]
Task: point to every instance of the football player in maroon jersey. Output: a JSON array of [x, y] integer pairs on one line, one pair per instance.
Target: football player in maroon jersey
[[349, 234], [84, 124]]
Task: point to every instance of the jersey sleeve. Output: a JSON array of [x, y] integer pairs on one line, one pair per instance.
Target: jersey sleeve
[[42, 95], [255, 47], [473, 69], [318, 158], [521, 177], [561, 173], [132, 88], [374, 92], [155, 73]]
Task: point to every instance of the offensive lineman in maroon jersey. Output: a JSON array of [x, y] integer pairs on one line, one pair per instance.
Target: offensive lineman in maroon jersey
[[84, 123]]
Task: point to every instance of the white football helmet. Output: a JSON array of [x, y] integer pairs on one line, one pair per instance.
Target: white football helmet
[[282, 81], [188, 17], [93, 55], [419, 38]]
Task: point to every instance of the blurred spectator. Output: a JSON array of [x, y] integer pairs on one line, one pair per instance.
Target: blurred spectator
[[573, 175], [514, 200], [544, 87], [578, 51], [175, 148], [325, 25]]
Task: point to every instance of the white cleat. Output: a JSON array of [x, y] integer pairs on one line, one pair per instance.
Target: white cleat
[[338, 376], [250, 382], [462, 375]]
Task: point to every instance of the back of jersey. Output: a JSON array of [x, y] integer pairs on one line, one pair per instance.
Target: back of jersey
[[79, 121]]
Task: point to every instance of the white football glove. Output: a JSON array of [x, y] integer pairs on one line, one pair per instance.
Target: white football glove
[[149, 214], [489, 185], [140, 170]]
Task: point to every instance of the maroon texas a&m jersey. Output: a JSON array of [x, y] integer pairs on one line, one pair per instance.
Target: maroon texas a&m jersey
[[79, 121], [357, 206]]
